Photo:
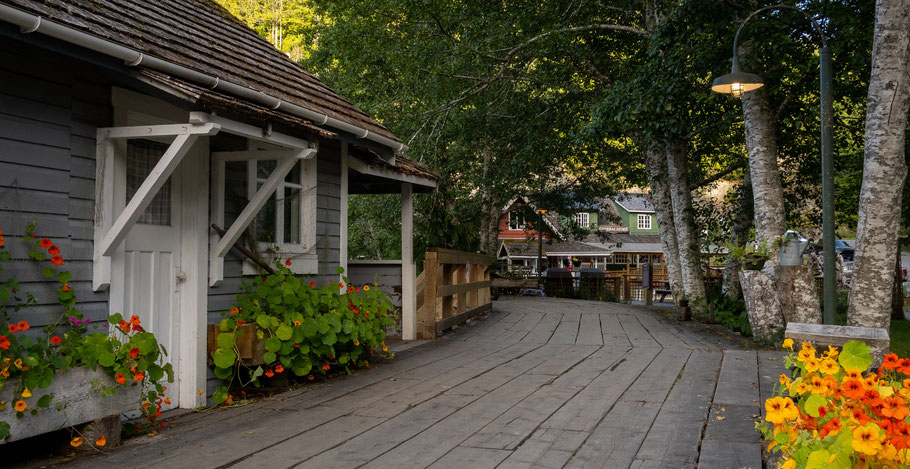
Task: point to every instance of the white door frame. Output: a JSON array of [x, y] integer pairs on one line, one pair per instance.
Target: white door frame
[[192, 308]]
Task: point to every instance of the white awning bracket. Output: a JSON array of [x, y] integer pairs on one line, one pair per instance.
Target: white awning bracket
[[220, 246], [110, 232]]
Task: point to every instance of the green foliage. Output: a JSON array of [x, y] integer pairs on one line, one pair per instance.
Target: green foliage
[[728, 312], [305, 329], [129, 354]]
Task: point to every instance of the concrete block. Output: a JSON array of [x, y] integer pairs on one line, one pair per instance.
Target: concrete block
[[823, 335]]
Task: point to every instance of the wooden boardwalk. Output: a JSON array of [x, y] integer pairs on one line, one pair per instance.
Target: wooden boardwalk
[[542, 382]]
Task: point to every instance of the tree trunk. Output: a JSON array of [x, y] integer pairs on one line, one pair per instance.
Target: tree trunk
[[897, 290], [663, 210], [686, 235], [761, 144], [489, 225], [740, 236], [884, 168]]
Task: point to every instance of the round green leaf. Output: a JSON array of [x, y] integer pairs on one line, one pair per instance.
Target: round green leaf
[[220, 395], [284, 332], [264, 321], [855, 356], [225, 340], [818, 459], [223, 373], [106, 359], [813, 403], [272, 344], [224, 358], [45, 400], [269, 357]]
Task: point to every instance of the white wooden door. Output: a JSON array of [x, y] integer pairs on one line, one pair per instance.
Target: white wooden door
[[150, 262]]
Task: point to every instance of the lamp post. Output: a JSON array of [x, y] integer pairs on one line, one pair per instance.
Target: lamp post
[[540, 247], [737, 83]]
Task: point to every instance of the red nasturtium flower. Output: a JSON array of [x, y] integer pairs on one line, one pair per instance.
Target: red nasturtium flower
[[55, 340], [46, 243], [66, 287], [135, 320], [139, 376], [124, 326], [23, 326], [287, 262], [279, 369], [4, 342], [312, 284], [2, 242], [13, 328], [54, 251], [57, 260], [120, 378], [325, 366], [134, 352], [269, 373]]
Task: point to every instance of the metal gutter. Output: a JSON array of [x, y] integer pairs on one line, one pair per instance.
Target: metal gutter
[[29, 23]]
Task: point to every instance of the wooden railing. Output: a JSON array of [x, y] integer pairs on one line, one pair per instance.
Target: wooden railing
[[454, 287]]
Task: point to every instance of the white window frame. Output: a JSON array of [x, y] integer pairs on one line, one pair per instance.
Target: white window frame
[[520, 219], [644, 221], [583, 219], [303, 256]]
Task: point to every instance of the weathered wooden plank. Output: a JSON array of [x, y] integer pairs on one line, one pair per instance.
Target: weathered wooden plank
[[566, 332], [546, 448], [504, 373], [660, 330], [732, 423], [738, 381], [637, 334], [436, 441], [460, 318], [586, 408], [302, 446], [616, 440], [564, 360], [613, 333], [478, 458], [730, 455], [589, 332], [544, 329], [770, 367]]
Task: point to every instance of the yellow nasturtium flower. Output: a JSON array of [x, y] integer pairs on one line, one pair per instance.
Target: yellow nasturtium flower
[[867, 439], [828, 367], [780, 410], [788, 343]]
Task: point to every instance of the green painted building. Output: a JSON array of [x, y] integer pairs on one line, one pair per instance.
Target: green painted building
[[636, 212]]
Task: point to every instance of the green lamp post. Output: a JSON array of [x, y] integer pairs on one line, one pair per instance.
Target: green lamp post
[[737, 82]]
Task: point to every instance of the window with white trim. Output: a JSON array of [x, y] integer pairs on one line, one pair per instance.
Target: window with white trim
[[644, 222], [516, 221], [582, 219], [288, 219]]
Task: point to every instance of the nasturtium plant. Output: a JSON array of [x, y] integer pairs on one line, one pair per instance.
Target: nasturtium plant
[[305, 329], [833, 413], [126, 352]]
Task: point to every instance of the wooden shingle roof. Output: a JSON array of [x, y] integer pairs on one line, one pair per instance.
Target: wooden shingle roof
[[203, 36]]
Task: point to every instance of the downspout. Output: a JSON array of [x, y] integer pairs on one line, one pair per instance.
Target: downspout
[[29, 23]]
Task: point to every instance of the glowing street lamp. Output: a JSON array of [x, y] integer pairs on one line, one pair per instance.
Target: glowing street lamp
[[737, 82]]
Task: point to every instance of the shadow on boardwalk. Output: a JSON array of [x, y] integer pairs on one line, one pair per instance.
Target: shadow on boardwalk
[[542, 382]]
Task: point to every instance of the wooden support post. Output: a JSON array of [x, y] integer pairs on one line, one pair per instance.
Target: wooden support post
[[426, 317], [626, 287], [408, 269], [649, 296]]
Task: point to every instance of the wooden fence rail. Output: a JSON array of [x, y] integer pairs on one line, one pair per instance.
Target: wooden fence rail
[[454, 287]]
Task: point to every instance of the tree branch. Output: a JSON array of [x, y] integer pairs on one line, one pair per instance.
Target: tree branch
[[717, 176]]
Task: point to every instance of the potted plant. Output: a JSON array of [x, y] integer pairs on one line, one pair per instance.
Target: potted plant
[[304, 329], [47, 379], [751, 256]]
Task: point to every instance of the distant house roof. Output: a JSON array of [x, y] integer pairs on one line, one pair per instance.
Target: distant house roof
[[203, 36], [625, 242], [528, 248], [634, 202]]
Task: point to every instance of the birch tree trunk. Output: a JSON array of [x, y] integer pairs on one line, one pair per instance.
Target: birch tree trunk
[[741, 225], [656, 157], [761, 144], [683, 220], [489, 223], [884, 168]]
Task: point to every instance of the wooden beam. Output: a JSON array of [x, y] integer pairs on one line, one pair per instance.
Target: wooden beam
[[251, 131], [165, 130], [426, 317], [408, 269], [146, 192], [104, 210], [449, 290], [247, 155], [365, 168], [449, 256]]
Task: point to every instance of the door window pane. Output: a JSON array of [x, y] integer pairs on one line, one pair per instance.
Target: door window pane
[[292, 215], [141, 157]]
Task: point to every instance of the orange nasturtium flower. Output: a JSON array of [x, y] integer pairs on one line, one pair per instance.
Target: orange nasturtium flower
[[46, 243], [23, 326], [20, 406], [139, 376], [269, 373], [134, 320], [4, 342], [13, 328], [279, 369], [76, 442], [57, 260], [120, 378], [101, 441]]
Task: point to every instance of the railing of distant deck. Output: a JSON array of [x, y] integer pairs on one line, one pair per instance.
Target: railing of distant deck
[[453, 288]]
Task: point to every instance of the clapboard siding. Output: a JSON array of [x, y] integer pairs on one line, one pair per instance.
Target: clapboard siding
[[50, 106]]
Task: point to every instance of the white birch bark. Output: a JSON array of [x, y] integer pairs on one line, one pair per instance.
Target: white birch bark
[[761, 144], [686, 235], [884, 168], [739, 237], [656, 157]]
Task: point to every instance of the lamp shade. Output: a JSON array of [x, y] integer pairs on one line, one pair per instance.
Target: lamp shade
[[736, 83]]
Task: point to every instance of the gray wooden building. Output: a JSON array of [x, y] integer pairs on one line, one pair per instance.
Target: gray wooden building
[[129, 128]]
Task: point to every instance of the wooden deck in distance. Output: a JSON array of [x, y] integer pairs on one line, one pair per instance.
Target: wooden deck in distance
[[541, 382]]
